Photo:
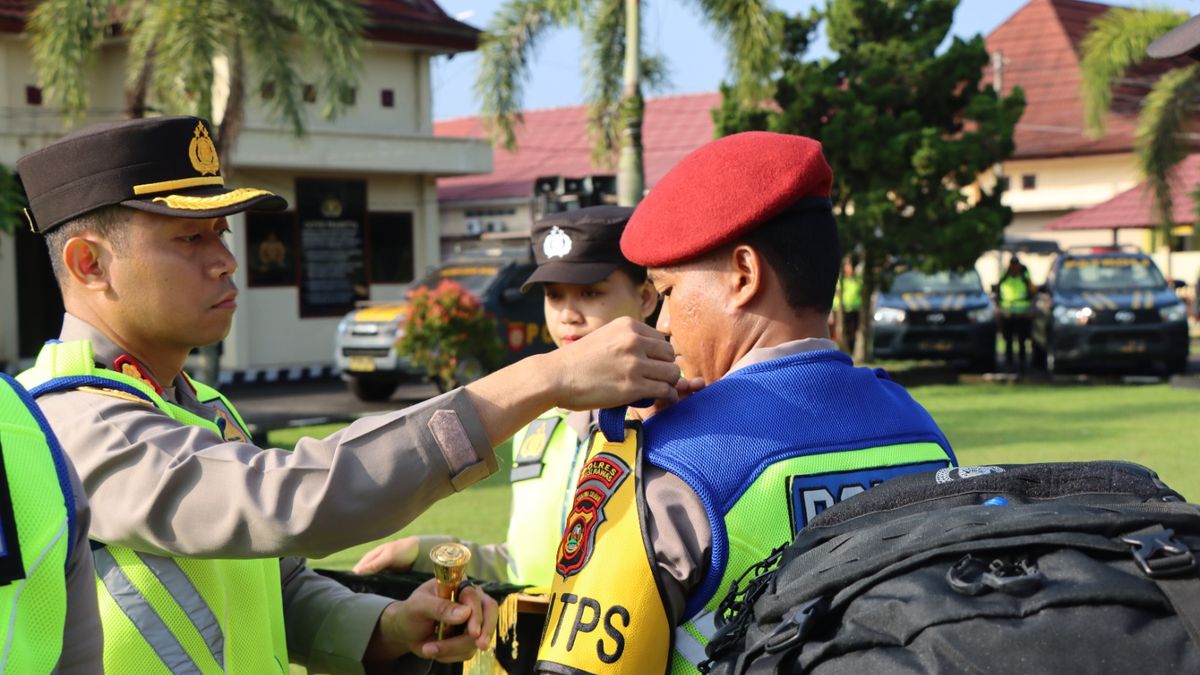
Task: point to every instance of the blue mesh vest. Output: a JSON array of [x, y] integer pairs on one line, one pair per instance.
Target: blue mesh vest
[[770, 445]]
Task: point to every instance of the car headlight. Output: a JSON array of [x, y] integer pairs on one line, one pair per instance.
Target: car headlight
[[982, 315], [1175, 312], [343, 325], [889, 315], [1070, 315]]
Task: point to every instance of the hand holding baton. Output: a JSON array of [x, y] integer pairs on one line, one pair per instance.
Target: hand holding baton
[[450, 569]]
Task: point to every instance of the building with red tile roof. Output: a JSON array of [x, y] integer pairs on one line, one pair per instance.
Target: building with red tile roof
[[411, 22], [1057, 166], [1134, 208], [555, 142]]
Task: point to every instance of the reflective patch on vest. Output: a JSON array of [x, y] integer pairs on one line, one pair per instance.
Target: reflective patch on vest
[[599, 479], [811, 494], [11, 566], [527, 459], [227, 423]]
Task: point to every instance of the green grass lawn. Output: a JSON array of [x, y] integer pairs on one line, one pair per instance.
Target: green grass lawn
[[1153, 425]]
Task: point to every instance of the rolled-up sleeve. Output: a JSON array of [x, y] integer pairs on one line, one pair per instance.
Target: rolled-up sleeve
[[159, 486]]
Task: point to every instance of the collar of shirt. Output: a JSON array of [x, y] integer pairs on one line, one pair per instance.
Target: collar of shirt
[[106, 351], [781, 350]]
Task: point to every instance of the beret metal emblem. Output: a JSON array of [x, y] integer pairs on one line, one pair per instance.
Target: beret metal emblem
[[203, 153], [557, 244]]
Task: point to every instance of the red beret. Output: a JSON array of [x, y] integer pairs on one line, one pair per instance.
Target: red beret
[[722, 191]]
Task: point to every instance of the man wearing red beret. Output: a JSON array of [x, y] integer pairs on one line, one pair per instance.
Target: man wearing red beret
[[741, 241]]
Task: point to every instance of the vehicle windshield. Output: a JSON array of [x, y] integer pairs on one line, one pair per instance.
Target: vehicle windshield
[[473, 277], [1109, 273], [938, 282]]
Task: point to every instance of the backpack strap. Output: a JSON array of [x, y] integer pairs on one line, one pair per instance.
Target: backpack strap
[[1171, 564]]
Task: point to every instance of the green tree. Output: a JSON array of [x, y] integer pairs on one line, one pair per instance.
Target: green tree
[[1115, 46], [12, 202], [179, 48], [908, 128], [614, 67]]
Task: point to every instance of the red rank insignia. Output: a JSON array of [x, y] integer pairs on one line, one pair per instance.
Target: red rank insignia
[[598, 481], [126, 365]]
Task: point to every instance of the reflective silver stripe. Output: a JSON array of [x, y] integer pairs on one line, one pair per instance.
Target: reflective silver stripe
[[151, 627], [687, 645], [190, 601]]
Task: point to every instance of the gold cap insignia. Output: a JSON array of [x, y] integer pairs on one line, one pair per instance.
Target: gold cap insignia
[[203, 153]]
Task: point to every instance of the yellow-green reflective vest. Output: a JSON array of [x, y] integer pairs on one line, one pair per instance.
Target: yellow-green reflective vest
[[171, 615], [37, 512], [546, 459], [1014, 295], [849, 290]]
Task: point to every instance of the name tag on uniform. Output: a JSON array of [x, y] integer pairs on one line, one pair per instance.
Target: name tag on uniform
[[11, 568], [812, 494]]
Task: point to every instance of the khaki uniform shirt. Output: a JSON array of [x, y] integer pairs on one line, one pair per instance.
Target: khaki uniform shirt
[[165, 488], [677, 523]]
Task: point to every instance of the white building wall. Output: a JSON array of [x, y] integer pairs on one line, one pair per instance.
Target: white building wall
[[391, 148]]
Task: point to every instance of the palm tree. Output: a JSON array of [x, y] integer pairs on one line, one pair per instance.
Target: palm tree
[[612, 35], [1117, 44], [178, 49]]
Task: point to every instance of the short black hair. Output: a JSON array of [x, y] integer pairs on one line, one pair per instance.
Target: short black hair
[[105, 221], [802, 247]]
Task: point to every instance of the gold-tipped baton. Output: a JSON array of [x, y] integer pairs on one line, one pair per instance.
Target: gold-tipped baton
[[450, 570]]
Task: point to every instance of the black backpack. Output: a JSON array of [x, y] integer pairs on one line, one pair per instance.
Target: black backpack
[[1045, 568]]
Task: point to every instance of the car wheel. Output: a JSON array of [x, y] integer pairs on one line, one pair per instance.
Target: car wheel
[[372, 389], [984, 363]]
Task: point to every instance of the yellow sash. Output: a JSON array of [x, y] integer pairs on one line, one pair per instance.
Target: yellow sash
[[606, 613]]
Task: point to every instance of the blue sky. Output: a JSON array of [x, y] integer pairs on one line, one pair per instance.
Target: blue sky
[[695, 55]]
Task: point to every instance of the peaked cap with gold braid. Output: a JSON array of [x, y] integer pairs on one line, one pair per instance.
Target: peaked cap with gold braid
[[164, 165]]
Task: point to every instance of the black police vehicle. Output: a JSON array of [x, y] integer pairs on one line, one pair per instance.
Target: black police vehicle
[[941, 315], [365, 349], [1103, 307]]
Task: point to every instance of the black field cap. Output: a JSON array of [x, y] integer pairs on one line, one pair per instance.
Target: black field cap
[[165, 165], [1178, 41], [578, 247]]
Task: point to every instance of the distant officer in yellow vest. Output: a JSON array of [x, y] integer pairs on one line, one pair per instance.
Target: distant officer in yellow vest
[[48, 616], [847, 297], [1016, 312], [587, 283], [740, 240], [201, 533]]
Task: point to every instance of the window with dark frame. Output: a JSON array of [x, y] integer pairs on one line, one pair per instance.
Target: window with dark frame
[[33, 95], [310, 93], [390, 247], [349, 96], [1029, 181], [271, 252], [267, 91], [387, 98]]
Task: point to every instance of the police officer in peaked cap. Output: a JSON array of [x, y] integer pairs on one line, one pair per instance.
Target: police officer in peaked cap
[[200, 534]]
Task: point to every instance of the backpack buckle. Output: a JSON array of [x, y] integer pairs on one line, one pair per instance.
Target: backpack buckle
[[1159, 554], [795, 625]]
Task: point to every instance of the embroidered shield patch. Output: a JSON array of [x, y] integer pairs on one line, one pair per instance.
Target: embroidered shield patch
[[598, 481]]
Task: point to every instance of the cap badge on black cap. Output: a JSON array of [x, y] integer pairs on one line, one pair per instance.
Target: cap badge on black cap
[[203, 153], [557, 244]]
